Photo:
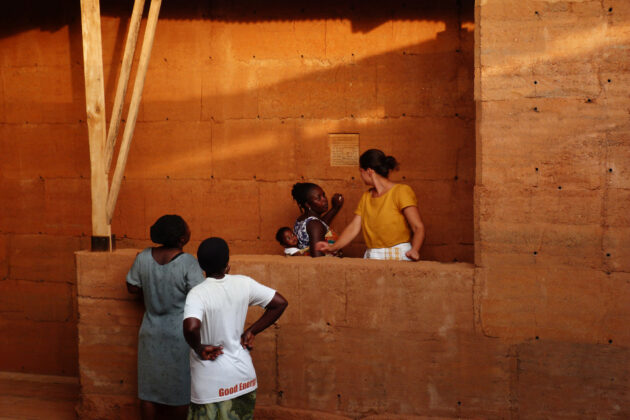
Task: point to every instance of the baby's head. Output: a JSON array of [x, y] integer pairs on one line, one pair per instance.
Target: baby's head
[[286, 237], [213, 255]]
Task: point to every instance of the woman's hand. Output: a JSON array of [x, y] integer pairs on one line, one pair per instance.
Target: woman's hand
[[323, 246], [337, 200], [413, 255], [247, 340], [336, 203], [348, 234], [208, 352]]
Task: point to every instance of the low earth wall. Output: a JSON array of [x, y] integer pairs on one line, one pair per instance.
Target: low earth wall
[[361, 340]]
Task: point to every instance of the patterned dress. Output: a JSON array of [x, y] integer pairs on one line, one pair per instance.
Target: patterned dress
[[302, 234], [304, 239]]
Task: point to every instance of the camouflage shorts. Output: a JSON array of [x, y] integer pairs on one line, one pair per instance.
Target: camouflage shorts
[[239, 408]]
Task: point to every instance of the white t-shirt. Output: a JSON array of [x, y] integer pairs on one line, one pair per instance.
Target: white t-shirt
[[221, 306], [291, 250]]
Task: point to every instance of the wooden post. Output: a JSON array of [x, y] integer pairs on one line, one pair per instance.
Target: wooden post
[[102, 145], [145, 54], [123, 80], [95, 107]]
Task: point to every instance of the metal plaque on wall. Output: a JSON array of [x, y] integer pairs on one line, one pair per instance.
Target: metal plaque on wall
[[344, 149]]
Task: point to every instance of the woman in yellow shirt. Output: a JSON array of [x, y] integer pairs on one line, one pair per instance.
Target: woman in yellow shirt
[[387, 214]]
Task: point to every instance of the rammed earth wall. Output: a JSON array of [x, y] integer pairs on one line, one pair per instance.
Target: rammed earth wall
[[358, 338], [362, 339], [540, 331]]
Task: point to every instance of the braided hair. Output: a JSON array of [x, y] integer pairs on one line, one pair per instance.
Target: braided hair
[[377, 160], [300, 192]]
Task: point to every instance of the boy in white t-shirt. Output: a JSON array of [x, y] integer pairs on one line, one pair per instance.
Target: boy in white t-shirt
[[223, 379]]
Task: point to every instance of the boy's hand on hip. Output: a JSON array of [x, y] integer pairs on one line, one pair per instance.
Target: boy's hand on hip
[[247, 340], [207, 352]]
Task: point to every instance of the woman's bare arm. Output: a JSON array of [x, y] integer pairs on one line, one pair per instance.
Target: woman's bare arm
[[316, 233], [412, 215], [134, 290], [348, 234]]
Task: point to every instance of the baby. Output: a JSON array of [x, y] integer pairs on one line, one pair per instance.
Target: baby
[[288, 240]]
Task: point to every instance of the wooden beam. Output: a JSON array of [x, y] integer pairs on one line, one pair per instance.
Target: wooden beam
[[132, 115], [95, 107], [123, 81]]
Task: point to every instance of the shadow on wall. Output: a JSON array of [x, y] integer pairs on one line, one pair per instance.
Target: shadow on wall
[[254, 125], [277, 133], [52, 15]]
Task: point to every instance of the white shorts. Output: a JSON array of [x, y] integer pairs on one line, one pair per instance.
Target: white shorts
[[396, 253]]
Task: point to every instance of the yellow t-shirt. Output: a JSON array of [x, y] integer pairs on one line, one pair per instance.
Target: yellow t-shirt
[[382, 220]]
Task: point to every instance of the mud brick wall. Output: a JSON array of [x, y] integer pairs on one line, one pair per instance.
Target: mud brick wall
[[551, 290], [365, 340], [238, 104], [358, 338], [552, 245]]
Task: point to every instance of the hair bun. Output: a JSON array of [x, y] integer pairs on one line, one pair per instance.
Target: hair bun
[[295, 191], [391, 162]]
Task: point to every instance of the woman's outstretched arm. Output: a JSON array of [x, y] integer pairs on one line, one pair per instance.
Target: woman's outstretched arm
[[348, 234], [412, 215]]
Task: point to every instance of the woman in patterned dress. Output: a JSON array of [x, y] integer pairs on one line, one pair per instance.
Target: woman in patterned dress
[[312, 225]]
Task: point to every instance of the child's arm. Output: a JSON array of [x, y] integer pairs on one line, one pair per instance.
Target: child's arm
[[273, 310]]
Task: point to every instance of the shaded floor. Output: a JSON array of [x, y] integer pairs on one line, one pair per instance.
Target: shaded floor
[[28, 396]]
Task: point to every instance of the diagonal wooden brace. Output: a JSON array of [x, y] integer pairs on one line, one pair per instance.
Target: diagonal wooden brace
[[132, 115], [123, 81]]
